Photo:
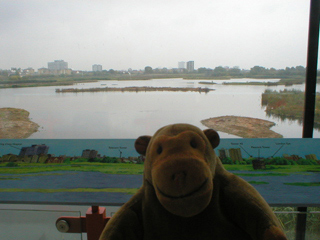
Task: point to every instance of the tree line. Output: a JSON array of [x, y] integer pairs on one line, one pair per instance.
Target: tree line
[[148, 72], [255, 72]]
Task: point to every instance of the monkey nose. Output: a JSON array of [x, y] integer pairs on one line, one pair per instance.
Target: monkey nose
[[179, 179]]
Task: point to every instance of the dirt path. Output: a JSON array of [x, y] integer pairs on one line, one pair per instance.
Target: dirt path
[[15, 124], [244, 127]]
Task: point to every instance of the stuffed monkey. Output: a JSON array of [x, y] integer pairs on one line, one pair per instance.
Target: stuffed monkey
[[188, 194]]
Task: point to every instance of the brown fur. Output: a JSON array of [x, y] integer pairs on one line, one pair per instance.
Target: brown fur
[[187, 194]]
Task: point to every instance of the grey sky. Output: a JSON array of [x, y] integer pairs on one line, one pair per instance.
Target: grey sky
[[122, 34]]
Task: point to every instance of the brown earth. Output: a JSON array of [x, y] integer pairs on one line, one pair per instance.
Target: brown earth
[[15, 124], [244, 127]]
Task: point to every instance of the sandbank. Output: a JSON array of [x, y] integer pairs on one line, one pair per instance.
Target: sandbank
[[244, 127], [15, 124]]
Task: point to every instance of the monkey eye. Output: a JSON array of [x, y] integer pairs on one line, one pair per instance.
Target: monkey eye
[[193, 143], [159, 150]]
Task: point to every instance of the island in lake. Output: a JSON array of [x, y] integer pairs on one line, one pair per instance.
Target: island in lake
[[135, 89], [15, 124], [244, 127]]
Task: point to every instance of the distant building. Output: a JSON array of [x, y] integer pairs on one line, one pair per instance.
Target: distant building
[[181, 65], [190, 66], [88, 153], [97, 68], [223, 153], [8, 158], [258, 164], [28, 71], [34, 150], [57, 65], [311, 157], [43, 71], [292, 157], [235, 154]]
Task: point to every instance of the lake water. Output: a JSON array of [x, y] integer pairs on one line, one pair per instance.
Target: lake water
[[93, 115]]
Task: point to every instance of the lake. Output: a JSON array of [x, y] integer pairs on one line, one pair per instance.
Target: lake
[[94, 115]]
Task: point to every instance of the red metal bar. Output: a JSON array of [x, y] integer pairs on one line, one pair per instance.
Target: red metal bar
[[96, 220], [93, 223]]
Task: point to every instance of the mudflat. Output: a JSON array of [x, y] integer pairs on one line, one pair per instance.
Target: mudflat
[[15, 123], [244, 127]]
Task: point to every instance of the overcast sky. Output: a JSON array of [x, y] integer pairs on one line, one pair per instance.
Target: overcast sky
[[122, 34]]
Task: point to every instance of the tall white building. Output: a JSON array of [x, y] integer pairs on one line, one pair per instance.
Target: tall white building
[[181, 65], [190, 66], [97, 68]]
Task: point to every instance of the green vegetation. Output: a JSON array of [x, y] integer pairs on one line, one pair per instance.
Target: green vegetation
[[12, 164], [288, 105], [304, 184], [15, 81], [288, 76], [9, 178], [257, 183], [110, 168], [136, 169]]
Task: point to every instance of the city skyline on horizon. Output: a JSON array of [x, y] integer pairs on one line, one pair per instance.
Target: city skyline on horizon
[[124, 34], [95, 65]]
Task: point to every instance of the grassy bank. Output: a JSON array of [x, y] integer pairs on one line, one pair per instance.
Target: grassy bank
[[288, 105], [52, 80], [136, 169]]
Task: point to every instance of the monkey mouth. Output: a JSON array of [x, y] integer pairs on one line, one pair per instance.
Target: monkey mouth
[[198, 189]]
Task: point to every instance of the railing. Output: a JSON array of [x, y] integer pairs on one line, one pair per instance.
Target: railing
[[66, 222]]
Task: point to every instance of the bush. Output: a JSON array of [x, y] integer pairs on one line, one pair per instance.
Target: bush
[[81, 160], [306, 162], [248, 161], [226, 161], [94, 160], [12, 164], [109, 160]]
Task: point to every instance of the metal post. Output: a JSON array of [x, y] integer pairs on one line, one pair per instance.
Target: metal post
[[301, 226], [310, 97], [311, 75]]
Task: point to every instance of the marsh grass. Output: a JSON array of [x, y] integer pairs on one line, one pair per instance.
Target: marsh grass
[[288, 218], [257, 182]]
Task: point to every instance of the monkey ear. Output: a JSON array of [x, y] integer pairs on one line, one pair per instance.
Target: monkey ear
[[141, 144], [213, 137]]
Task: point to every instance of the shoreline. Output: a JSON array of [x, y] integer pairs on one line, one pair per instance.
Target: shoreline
[[244, 127], [15, 124]]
